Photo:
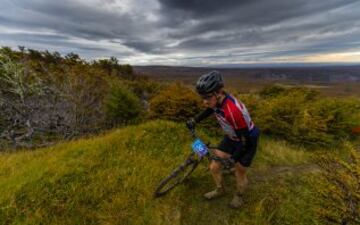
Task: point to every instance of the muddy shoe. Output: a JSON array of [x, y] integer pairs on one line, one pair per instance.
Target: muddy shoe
[[218, 192], [236, 202]]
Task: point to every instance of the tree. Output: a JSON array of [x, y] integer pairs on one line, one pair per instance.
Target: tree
[[16, 88], [121, 105]]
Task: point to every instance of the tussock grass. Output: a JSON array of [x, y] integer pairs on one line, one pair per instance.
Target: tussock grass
[[279, 152], [110, 179]]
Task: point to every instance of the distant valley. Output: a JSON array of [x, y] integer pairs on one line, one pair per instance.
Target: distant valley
[[305, 75]]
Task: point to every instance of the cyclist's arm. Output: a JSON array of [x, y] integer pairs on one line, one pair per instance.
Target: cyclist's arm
[[203, 115]]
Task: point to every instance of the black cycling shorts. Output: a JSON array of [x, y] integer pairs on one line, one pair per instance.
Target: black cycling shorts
[[247, 152]]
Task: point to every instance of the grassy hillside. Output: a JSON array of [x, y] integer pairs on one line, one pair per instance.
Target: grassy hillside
[[110, 180]]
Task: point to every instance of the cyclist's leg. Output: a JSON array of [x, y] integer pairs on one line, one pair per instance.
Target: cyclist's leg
[[215, 169], [241, 178], [241, 183], [240, 172]]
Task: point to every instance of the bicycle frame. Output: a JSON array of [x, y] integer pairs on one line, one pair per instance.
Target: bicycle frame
[[180, 173]]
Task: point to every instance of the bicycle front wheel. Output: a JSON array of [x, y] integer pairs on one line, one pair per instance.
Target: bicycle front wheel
[[177, 176]]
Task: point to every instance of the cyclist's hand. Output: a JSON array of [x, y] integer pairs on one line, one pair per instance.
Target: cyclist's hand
[[190, 124]]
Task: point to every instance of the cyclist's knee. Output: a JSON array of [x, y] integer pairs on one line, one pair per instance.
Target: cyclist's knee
[[240, 169], [215, 166]]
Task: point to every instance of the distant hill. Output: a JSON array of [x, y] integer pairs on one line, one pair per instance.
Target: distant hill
[[303, 74]]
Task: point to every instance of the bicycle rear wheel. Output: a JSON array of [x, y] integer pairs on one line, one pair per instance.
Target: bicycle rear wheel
[[177, 176]]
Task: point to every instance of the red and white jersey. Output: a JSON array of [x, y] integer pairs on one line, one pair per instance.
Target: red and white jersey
[[232, 115]]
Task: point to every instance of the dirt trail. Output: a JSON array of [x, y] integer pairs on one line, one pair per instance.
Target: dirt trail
[[259, 175]]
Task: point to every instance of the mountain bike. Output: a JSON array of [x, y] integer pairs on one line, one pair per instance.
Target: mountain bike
[[200, 150]]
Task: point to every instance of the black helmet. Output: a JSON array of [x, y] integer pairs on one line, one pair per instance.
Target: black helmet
[[209, 83]]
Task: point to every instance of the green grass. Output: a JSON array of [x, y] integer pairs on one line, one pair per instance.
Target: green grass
[[273, 153], [110, 179]]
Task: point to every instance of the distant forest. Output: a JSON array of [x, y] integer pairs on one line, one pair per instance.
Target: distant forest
[[316, 74]]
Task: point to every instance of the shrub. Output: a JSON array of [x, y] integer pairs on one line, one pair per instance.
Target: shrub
[[121, 105], [144, 89], [300, 116], [338, 190], [175, 102], [327, 121], [82, 91], [272, 91], [277, 115], [252, 102], [47, 94], [18, 89]]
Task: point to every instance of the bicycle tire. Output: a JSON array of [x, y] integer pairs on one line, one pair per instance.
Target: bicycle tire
[[176, 177]]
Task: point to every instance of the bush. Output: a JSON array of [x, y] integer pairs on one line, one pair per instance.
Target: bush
[[272, 91], [121, 105], [300, 116], [18, 90], [277, 115], [277, 90], [327, 121], [252, 102], [338, 190], [82, 93], [175, 102], [142, 87], [49, 94]]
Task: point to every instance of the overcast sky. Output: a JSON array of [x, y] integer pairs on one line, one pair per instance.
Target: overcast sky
[[187, 32]]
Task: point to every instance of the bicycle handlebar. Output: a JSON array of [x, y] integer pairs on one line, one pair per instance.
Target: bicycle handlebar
[[225, 162]]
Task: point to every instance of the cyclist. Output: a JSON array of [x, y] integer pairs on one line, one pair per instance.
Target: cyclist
[[241, 136]]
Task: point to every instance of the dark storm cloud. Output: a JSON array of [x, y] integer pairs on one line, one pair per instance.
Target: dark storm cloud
[[143, 46], [213, 15], [48, 40], [310, 29], [238, 15], [247, 23], [69, 17], [199, 29]]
